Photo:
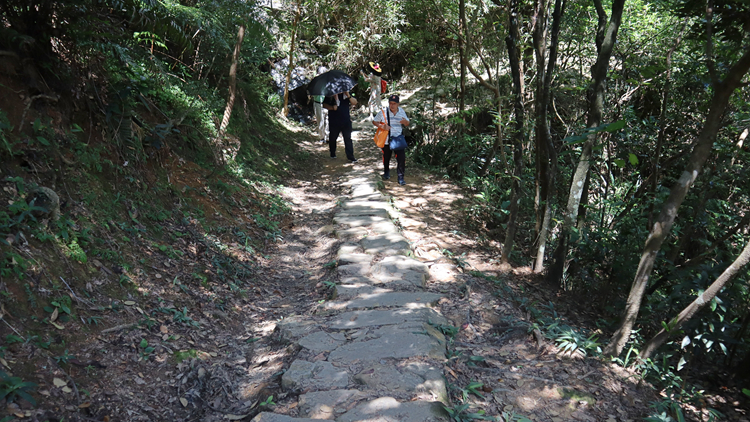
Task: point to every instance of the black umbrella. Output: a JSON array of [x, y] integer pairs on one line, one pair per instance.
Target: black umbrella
[[331, 83]]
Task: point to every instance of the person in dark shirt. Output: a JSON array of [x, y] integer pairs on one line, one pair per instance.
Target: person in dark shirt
[[339, 121]]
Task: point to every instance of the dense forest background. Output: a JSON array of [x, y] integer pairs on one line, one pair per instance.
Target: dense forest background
[[604, 145]]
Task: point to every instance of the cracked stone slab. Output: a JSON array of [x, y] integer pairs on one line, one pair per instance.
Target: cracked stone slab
[[354, 270], [322, 341], [354, 258], [401, 269], [387, 300], [352, 291], [364, 190], [353, 232], [370, 197], [388, 409], [360, 221], [393, 342], [319, 375], [362, 212], [386, 244], [384, 227], [325, 404], [373, 318], [418, 378], [368, 204], [348, 248], [274, 417], [295, 326]]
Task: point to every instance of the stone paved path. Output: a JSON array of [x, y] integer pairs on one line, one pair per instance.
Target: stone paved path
[[374, 354]]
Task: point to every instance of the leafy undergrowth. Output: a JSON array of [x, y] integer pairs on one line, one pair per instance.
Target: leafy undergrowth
[[152, 295]]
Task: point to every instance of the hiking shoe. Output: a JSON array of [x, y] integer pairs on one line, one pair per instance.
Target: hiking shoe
[[385, 176], [322, 141], [352, 160], [333, 155], [401, 182]]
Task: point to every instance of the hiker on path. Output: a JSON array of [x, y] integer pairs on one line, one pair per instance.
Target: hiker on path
[[340, 121], [321, 114], [394, 121], [373, 77]]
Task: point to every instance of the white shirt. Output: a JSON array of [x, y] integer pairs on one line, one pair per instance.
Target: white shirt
[[374, 81], [396, 128]]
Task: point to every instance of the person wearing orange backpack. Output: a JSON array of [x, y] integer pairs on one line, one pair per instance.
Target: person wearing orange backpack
[[373, 77], [394, 119]]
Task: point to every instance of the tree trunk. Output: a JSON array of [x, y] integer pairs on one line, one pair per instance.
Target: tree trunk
[[539, 36], [518, 135], [462, 52], [549, 160], [285, 111], [702, 300], [722, 92], [663, 121], [605, 44], [218, 155]]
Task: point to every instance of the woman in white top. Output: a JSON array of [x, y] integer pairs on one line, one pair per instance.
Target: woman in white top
[[394, 121], [373, 77]]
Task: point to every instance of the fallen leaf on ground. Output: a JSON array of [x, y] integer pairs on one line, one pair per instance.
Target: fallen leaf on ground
[[59, 382]]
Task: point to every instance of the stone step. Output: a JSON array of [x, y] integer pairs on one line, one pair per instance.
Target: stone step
[[321, 375], [410, 300], [386, 244], [388, 409], [375, 318], [392, 342]]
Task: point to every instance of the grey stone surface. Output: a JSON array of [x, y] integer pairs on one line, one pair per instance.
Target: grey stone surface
[[360, 221], [325, 404], [388, 409], [364, 190], [367, 204], [352, 233], [386, 244], [315, 375], [384, 227], [356, 270], [273, 417], [411, 300], [322, 341], [393, 341], [348, 248], [358, 280], [374, 318], [354, 258], [401, 269], [359, 290], [393, 263], [362, 211], [414, 378], [294, 327]]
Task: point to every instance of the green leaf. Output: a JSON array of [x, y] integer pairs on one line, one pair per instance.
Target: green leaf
[[144, 343], [42, 141], [633, 159], [746, 391], [619, 162], [615, 126]]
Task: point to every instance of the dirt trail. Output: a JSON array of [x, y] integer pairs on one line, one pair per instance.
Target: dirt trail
[[493, 362], [231, 352]]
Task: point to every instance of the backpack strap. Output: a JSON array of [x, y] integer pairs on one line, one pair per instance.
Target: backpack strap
[[388, 116]]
